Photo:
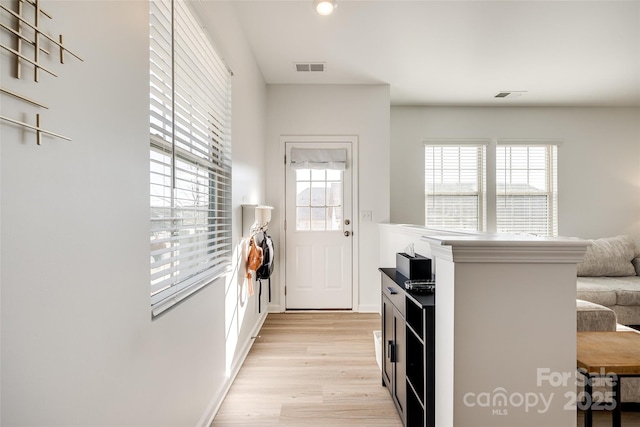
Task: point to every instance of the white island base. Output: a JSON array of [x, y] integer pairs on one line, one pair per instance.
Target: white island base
[[505, 325]]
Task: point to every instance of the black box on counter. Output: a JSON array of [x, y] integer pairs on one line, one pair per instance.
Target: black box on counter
[[417, 267]]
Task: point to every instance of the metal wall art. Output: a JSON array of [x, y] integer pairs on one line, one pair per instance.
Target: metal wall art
[[29, 46]]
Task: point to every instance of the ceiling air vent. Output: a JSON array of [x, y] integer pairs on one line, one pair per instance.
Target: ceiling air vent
[[309, 66], [510, 94]]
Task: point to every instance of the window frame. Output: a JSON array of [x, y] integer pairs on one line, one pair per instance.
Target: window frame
[[489, 183], [551, 184], [481, 181]]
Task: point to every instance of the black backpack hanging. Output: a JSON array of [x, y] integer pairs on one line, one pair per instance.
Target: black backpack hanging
[[264, 271]]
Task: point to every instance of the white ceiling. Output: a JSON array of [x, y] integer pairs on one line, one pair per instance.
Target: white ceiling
[[562, 53]]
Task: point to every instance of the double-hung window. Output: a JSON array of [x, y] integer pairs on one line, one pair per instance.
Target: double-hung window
[[526, 189], [190, 156], [455, 186], [522, 194]]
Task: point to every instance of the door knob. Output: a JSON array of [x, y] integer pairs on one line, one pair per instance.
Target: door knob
[[347, 234]]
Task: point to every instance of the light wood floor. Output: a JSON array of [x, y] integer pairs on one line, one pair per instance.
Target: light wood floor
[[311, 369], [319, 369]]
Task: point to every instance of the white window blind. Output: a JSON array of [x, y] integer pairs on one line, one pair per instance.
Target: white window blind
[[455, 186], [526, 193], [190, 156]]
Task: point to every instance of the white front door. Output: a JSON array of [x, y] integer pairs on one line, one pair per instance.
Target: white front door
[[318, 241]]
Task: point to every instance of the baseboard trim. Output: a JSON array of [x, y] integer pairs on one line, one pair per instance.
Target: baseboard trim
[[363, 308], [216, 402], [369, 308], [275, 308]]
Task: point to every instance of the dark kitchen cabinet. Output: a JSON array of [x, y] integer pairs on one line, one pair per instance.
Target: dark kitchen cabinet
[[408, 349], [393, 345]]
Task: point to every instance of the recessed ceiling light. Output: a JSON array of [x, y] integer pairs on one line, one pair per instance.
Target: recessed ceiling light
[[324, 7]]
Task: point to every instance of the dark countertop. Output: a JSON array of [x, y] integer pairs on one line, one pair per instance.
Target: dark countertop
[[424, 300]]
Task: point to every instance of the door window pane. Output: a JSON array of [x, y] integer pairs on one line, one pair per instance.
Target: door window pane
[[334, 175], [334, 218], [303, 175], [303, 218], [318, 219], [334, 193], [302, 194], [318, 190]]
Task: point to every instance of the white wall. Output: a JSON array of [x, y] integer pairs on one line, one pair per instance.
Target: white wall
[[335, 110], [78, 343], [598, 159]]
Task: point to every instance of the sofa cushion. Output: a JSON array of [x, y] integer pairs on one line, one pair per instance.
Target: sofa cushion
[[627, 290], [609, 256], [610, 291], [594, 317], [627, 314], [596, 290]]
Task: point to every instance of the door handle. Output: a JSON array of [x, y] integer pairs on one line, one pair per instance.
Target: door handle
[[347, 233], [391, 351]]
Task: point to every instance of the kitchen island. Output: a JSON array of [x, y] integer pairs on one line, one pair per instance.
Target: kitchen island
[[505, 324]]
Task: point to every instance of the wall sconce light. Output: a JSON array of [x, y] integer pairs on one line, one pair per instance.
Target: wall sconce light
[[324, 7]]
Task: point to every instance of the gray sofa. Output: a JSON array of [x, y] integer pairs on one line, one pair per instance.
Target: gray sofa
[[608, 296], [610, 276]]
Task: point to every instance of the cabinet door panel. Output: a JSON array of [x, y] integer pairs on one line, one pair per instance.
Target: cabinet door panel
[[387, 335], [400, 386]]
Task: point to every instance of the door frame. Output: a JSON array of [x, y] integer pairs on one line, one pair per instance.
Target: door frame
[[355, 217]]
